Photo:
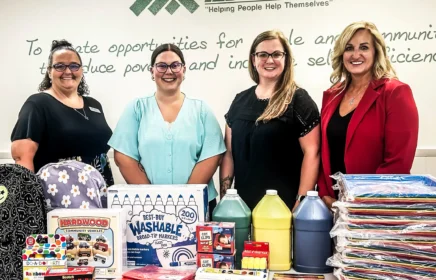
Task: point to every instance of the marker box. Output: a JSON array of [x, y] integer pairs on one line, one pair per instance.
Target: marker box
[[216, 237], [161, 221], [216, 260], [186, 263]]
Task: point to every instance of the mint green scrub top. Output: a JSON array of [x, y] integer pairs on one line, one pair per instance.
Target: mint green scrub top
[[169, 152]]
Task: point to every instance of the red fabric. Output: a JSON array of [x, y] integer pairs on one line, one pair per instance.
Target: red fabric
[[382, 134]]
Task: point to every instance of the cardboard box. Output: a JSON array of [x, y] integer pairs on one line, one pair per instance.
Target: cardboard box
[[95, 237], [70, 273], [216, 260], [43, 251], [161, 221], [216, 237], [255, 255]]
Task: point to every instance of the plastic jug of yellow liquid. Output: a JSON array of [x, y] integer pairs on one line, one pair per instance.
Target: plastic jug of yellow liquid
[[272, 223]]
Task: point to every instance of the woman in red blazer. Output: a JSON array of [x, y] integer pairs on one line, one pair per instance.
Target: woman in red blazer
[[369, 119]]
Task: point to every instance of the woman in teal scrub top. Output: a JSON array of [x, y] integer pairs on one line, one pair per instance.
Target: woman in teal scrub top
[[168, 138]]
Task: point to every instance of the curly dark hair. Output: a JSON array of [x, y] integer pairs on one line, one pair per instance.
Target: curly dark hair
[[56, 45]]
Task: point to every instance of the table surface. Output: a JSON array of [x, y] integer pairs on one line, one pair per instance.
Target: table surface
[[328, 276]]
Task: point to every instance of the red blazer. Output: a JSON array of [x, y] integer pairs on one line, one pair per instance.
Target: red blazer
[[382, 134]]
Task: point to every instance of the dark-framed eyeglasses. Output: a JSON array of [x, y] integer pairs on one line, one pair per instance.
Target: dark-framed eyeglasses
[[277, 55], [60, 67], [175, 67]]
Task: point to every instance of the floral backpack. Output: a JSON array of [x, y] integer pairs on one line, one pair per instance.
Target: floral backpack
[[72, 184], [22, 213]]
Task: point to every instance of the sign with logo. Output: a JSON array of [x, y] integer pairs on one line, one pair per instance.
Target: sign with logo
[[155, 6]]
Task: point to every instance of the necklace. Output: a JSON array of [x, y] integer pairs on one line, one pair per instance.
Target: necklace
[[352, 99], [351, 102], [83, 109], [84, 113]]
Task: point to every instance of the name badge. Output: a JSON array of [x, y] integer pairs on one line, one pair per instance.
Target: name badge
[[94, 110]]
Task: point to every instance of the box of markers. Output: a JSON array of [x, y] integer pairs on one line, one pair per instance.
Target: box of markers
[[162, 219]]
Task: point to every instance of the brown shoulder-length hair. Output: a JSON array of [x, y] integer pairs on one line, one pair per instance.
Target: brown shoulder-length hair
[[382, 67], [285, 86]]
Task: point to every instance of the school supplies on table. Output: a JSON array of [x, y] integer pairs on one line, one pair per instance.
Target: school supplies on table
[[385, 227], [152, 272]]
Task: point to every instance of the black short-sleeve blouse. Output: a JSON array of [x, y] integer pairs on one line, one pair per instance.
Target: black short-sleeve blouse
[[63, 133], [268, 155]]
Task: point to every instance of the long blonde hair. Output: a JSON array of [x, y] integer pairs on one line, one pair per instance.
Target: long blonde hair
[[285, 87], [382, 67]]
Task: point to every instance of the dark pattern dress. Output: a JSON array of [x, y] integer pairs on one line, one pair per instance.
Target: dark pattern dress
[[268, 155]]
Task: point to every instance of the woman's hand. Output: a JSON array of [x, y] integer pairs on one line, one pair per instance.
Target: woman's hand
[[295, 206], [328, 200], [133, 172]]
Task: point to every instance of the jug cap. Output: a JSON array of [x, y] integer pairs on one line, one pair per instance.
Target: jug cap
[[271, 192], [231, 191], [312, 193]]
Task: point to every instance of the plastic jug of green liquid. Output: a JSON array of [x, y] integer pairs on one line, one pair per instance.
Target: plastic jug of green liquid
[[232, 208]]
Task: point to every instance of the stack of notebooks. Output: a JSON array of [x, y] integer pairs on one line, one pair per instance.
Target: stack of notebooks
[[385, 227]]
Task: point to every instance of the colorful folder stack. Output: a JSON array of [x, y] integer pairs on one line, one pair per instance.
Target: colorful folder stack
[[385, 227]]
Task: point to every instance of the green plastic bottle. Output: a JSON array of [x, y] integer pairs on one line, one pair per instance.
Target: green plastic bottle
[[232, 208]]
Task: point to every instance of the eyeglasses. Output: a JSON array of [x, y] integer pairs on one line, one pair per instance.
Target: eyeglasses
[[60, 67], [175, 67], [275, 55]]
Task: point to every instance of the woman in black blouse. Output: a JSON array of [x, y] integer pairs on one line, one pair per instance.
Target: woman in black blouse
[[272, 133], [61, 122]]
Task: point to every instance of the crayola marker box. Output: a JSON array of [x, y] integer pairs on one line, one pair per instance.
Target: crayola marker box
[[162, 219], [94, 237]]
